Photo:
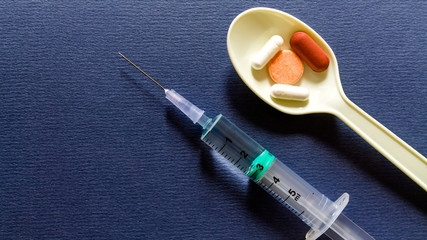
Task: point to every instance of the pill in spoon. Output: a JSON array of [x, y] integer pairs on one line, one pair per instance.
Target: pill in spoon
[[267, 52], [286, 67], [309, 51], [289, 92]]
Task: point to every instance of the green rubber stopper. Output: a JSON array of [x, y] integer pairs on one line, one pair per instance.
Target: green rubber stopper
[[260, 165]]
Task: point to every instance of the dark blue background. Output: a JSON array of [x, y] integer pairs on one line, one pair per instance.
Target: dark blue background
[[90, 149]]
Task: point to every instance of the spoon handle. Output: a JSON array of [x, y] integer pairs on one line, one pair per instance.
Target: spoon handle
[[406, 158]]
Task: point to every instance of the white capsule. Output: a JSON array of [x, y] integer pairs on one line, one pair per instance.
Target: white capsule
[[267, 52], [289, 92]]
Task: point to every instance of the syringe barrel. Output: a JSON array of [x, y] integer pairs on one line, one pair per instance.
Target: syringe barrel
[[315, 209], [231, 142], [311, 206]]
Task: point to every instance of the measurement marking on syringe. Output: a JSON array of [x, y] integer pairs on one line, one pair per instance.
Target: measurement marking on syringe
[[278, 197], [253, 173]]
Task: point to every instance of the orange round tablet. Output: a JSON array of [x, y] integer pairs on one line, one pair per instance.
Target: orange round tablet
[[286, 67]]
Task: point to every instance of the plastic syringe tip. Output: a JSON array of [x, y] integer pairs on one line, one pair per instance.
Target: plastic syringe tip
[[192, 111]]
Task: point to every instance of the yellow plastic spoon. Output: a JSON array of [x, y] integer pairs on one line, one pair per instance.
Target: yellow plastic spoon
[[247, 34]]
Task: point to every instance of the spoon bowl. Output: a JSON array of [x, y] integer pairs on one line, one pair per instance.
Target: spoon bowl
[[248, 33], [251, 29]]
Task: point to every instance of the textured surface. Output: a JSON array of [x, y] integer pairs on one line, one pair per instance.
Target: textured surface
[[89, 149]]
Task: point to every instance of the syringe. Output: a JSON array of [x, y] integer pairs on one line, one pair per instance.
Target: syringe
[[312, 207]]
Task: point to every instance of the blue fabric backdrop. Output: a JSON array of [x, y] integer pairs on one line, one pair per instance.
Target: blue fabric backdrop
[[90, 149]]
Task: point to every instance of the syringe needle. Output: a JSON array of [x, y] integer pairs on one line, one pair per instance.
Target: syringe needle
[[152, 79], [192, 111]]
